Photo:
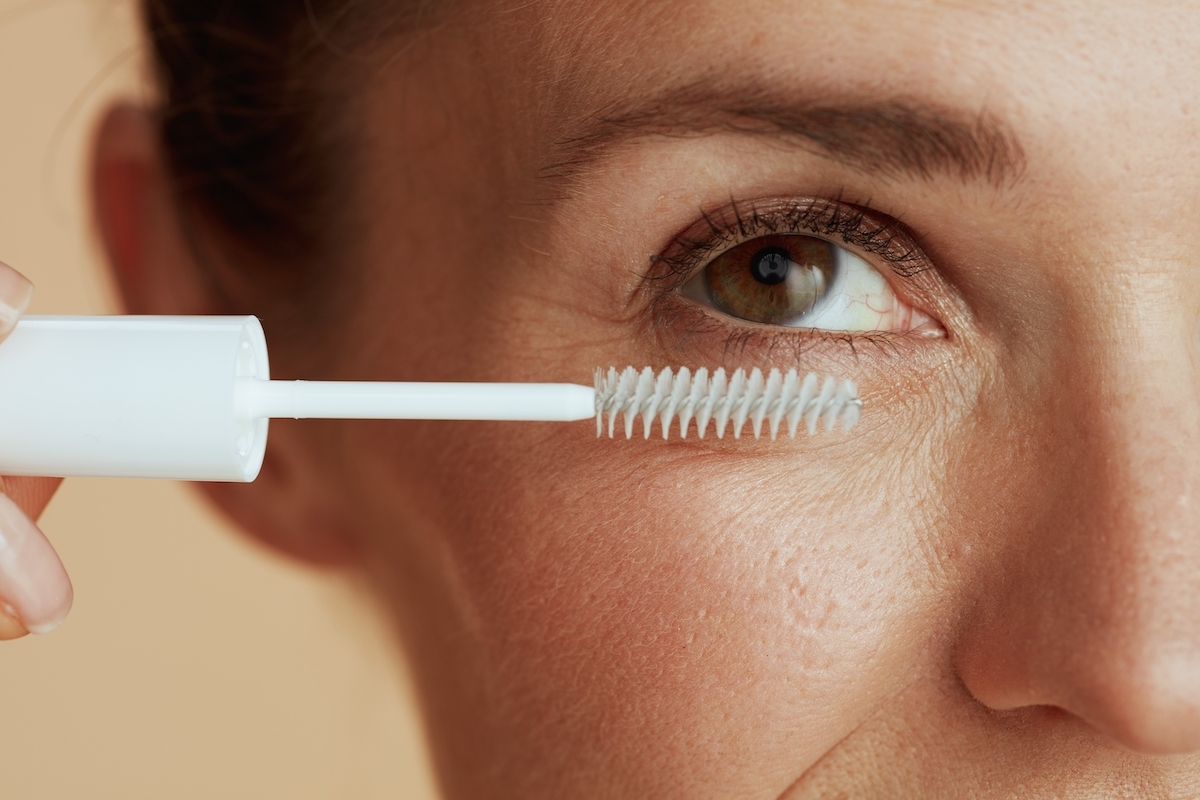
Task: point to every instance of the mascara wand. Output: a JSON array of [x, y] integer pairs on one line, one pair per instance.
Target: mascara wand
[[189, 398]]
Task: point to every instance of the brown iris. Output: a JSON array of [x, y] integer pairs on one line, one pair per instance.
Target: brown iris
[[772, 279]]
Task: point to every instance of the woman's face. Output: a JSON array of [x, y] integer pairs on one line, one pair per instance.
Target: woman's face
[[989, 588]]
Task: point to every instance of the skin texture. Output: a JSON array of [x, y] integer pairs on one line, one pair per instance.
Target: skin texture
[[987, 589]]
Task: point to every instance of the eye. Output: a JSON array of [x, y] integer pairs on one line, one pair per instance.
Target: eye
[[801, 281]]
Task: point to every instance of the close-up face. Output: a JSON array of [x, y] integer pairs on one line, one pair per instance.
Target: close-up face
[[980, 213]]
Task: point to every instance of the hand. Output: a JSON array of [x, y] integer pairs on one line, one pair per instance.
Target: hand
[[35, 592]]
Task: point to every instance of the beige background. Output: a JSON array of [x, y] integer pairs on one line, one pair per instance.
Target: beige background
[[193, 664]]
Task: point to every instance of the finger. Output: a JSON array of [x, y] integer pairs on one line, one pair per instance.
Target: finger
[[10, 627], [15, 293], [35, 592], [31, 494], [34, 587]]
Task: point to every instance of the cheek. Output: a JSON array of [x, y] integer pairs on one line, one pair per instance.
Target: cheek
[[640, 603]]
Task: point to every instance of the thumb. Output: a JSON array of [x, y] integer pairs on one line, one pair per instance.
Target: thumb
[[35, 592]]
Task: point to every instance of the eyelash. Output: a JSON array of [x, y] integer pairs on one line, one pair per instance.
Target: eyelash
[[831, 218], [827, 217]]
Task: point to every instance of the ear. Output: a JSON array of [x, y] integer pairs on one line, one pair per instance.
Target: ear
[[155, 271], [136, 218], [290, 506]]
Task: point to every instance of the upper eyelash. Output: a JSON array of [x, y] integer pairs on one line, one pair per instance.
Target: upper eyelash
[[717, 231], [885, 238]]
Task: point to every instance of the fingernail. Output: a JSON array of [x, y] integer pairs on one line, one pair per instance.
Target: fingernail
[[15, 293], [32, 579]]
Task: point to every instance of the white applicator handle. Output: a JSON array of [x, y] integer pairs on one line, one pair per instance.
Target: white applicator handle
[[549, 402], [188, 398]]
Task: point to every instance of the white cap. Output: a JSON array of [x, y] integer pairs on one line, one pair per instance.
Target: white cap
[[151, 397]]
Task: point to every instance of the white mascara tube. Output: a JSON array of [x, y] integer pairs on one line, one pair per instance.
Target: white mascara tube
[[188, 398]]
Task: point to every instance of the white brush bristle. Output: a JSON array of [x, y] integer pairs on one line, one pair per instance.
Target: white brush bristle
[[774, 399]]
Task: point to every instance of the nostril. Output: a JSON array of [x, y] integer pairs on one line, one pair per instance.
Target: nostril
[[1142, 696]]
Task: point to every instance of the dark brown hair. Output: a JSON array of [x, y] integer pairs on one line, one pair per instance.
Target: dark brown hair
[[256, 117]]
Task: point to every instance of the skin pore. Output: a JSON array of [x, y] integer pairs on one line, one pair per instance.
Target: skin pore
[[987, 589]]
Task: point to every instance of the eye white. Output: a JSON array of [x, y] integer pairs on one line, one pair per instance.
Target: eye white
[[860, 299]]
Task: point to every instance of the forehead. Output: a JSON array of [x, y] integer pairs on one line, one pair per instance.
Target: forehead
[[838, 33], [1126, 67]]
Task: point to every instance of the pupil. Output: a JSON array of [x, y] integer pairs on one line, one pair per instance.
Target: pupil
[[770, 265]]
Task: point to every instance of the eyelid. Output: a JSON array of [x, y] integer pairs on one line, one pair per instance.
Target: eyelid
[[860, 228]]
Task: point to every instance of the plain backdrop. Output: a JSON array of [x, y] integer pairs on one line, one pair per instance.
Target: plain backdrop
[[194, 664]]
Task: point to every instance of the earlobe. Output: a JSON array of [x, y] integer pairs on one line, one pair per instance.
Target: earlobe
[[137, 220], [286, 507]]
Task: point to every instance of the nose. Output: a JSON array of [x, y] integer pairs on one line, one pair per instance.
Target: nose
[[1092, 602]]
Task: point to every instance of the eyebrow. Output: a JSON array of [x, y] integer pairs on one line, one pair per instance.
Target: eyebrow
[[893, 137]]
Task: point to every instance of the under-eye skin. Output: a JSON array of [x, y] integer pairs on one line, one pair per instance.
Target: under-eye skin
[[799, 264]]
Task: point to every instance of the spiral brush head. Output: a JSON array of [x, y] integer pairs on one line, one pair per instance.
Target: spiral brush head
[[735, 399]]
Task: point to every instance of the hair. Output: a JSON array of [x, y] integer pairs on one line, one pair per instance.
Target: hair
[[256, 110]]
